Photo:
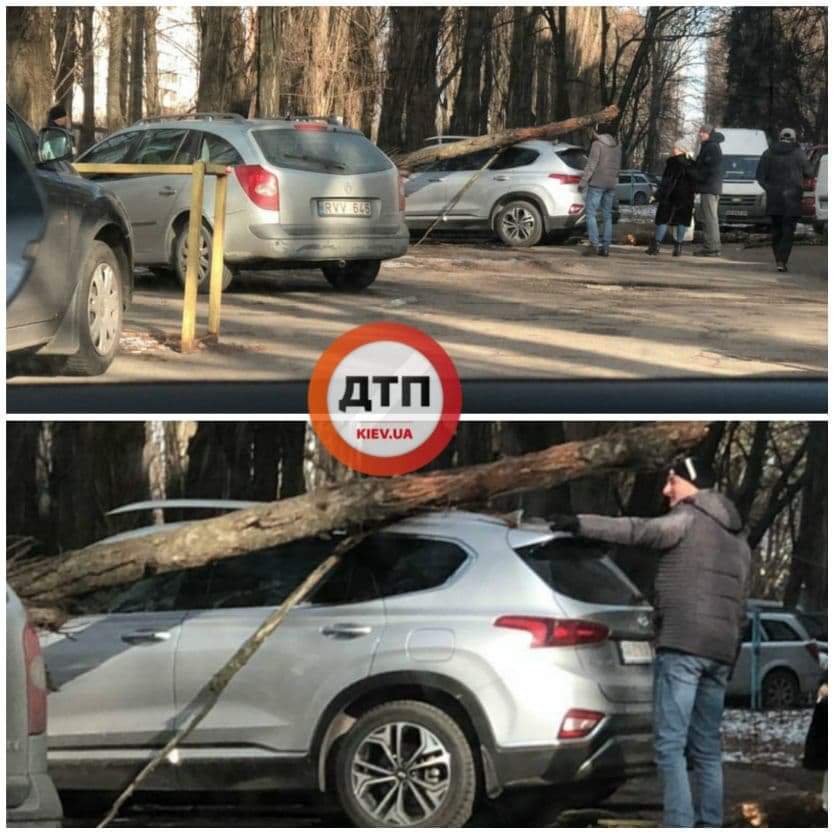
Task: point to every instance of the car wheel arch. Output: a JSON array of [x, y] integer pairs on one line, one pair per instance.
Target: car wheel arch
[[433, 688], [114, 236], [174, 227], [510, 197]]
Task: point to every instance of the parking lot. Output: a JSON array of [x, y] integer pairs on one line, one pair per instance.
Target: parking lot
[[542, 312]]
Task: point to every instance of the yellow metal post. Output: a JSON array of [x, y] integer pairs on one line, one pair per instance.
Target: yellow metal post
[[216, 276], [193, 260]]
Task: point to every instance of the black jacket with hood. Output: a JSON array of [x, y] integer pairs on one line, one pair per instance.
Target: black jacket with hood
[[708, 175], [675, 194], [702, 580], [780, 173]]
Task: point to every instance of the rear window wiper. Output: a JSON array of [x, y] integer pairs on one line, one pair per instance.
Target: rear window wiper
[[328, 163]]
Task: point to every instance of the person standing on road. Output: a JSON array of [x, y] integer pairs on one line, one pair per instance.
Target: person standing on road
[[700, 594], [708, 176], [598, 181], [57, 117], [780, 174], [675, 198]]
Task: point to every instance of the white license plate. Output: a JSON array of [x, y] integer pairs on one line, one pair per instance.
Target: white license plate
[[737, 212], [636, 652], [345, 208]]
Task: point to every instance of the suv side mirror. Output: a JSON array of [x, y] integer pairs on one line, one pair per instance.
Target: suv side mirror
[[55, 145]]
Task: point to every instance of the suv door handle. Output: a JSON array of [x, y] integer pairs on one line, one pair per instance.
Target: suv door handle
[[435, 180], [167, 192], [345, 631], [146, 636], [501, 177]]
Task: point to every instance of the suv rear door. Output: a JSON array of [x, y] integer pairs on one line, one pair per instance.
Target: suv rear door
[[589, 586], [275, 701]]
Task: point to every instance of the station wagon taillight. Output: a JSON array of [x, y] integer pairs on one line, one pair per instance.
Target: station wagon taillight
[[579, 723], [565, 179], [551, 632], [260, 185], [401, 190], [35, 681]]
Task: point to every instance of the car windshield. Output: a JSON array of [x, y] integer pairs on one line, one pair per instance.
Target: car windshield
[[739, 167], [324, 151], [582, 570]]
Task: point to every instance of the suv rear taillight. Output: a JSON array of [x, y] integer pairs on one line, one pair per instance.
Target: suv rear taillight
[[260, 185], [401, 191], [316, 126], [579, 723], [35, 680], [550, 632], [814, 650], [565, 179], [809, 183]]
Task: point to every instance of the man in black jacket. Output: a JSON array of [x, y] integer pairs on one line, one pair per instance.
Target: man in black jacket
[[708, 181], [780, 174], [700, 594]]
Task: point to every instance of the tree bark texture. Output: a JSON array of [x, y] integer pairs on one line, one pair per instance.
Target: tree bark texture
[[29, 62], [152, 98], [116, 39], [66, 55], [137, 60], [466, 115], [356, 504], [88, 80]]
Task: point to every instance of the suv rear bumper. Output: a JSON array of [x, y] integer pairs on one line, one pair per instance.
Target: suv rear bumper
[[41, 807], [270, 242], [621, 747]]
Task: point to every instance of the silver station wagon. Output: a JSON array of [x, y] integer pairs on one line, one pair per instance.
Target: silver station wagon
[[305, 192]]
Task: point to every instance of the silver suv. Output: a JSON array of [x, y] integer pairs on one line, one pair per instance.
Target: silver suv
[[531, 191], [449, 655], [305, 192]]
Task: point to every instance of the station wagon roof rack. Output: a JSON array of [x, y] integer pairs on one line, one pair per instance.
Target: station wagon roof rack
[[176, 117], [193, 504], [331, 120]]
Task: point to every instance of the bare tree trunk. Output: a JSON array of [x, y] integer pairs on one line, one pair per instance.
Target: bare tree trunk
[[544, 80], [115, 114], [222, 79], [466, 115], [127, 26], [29, 61], [562, 100], [66, 55], [354, 504], [520, 99], [137, 73], [269, 44], [152, 98], [88, 81]]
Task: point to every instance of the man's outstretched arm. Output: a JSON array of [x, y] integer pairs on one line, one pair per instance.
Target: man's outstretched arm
[[661, 533]]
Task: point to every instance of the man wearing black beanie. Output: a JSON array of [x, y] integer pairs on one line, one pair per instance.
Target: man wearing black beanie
[[57, 117], [700, 593]]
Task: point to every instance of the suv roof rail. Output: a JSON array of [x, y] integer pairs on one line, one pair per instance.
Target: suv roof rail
[[176, 117], [331, 120]]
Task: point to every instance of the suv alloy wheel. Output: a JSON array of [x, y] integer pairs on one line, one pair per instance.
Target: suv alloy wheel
[[406, 763]]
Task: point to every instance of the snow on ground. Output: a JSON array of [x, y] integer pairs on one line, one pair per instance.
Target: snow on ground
[[773, 737]]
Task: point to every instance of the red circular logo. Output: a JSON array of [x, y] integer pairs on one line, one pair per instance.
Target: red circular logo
[[384, 399]]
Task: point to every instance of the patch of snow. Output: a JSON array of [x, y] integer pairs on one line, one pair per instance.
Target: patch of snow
[[773, 737]]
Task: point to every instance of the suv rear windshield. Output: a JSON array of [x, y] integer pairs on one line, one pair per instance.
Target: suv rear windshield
[[323, 151], [574, 158], [580, 569]]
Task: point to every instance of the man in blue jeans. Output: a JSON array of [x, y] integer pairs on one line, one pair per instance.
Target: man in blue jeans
[[700, 593], [599, 179]]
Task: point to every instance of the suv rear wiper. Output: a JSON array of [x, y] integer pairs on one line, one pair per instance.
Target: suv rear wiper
[[332, 163]]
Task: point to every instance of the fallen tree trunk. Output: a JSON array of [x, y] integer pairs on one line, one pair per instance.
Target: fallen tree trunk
[[51, 581], [503, 139]]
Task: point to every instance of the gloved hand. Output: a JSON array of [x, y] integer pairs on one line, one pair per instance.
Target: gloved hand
[[565, 522]]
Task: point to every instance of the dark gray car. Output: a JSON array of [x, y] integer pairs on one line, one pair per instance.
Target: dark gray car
[[79, 280]]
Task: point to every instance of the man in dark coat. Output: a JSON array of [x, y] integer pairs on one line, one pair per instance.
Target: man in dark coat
[[700, 593], [675, 198], [57, 117], [708, 179], [780, 174]]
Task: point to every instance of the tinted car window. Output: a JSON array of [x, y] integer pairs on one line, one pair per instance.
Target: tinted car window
[[159, 147], [467, 162], [215, 149], [114, 149], [160, 593], [574, 158], [324, 151], [384, 565], [624, 179], [514, 158], [18, 138], [778, 630], [580, 569]]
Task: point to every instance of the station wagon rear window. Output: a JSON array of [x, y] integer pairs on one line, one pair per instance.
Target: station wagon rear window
[[580, 569], [322, 151]]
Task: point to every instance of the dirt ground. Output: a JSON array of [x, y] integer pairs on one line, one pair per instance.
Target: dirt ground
[[544, 312]]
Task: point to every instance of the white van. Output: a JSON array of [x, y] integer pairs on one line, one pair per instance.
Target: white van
[[821, 195], [742, 202]]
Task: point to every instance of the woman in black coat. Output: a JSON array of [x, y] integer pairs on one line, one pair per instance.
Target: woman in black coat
[[675, 198]]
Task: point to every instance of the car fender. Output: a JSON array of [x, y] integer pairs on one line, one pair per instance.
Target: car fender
[[531, 193]]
